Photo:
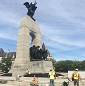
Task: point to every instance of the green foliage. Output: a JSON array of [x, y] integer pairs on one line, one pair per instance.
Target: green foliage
[[65, 65], [54, 62], [6, 64]]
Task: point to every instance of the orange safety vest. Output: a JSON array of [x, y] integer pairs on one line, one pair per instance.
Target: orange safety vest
[[34, 81], [76, 75]]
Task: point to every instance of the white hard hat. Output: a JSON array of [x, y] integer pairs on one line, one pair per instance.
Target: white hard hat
[[76, 69]]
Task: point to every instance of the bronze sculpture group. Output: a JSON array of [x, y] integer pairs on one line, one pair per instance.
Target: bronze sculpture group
[[37, 53], [31, 8]]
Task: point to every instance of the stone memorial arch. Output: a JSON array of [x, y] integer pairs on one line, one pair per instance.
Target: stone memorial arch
[[27, 28]]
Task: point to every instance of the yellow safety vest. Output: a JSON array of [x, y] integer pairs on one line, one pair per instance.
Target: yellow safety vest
[[51, 74], [76, 75], [27, 71]]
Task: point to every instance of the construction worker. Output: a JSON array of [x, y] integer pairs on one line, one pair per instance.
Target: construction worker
[[51, 76], [27, 71], [66, 82], [34, 82], [76, 77]]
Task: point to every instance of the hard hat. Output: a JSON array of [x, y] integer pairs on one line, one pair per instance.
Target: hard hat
[[76, 69]]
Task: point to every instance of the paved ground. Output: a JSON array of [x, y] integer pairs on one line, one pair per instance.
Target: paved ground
[[25, 81]]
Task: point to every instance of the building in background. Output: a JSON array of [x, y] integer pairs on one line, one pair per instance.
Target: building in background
[[7, 54]]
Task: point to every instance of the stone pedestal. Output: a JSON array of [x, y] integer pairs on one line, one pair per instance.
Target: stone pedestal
[[28, 27], [40, 66]]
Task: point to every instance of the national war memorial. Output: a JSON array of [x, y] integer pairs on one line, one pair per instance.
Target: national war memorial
[[32, 56]]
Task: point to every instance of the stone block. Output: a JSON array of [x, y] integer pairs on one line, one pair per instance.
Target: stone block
[[40, 66]]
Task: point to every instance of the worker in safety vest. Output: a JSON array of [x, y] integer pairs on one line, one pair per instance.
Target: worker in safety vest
[[51, 76], [66, 82], [34, 82], [76, 77], [27, 71]]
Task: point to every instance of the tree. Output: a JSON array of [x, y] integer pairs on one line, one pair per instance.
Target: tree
[[6, 64], [65, 65]]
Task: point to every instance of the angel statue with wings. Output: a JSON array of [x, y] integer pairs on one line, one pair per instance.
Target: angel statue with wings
[[31, 8]]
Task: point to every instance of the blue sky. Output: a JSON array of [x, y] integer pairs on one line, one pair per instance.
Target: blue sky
[[62, 25]]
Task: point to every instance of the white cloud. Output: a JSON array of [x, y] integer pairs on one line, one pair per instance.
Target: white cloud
[[65, 37]]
